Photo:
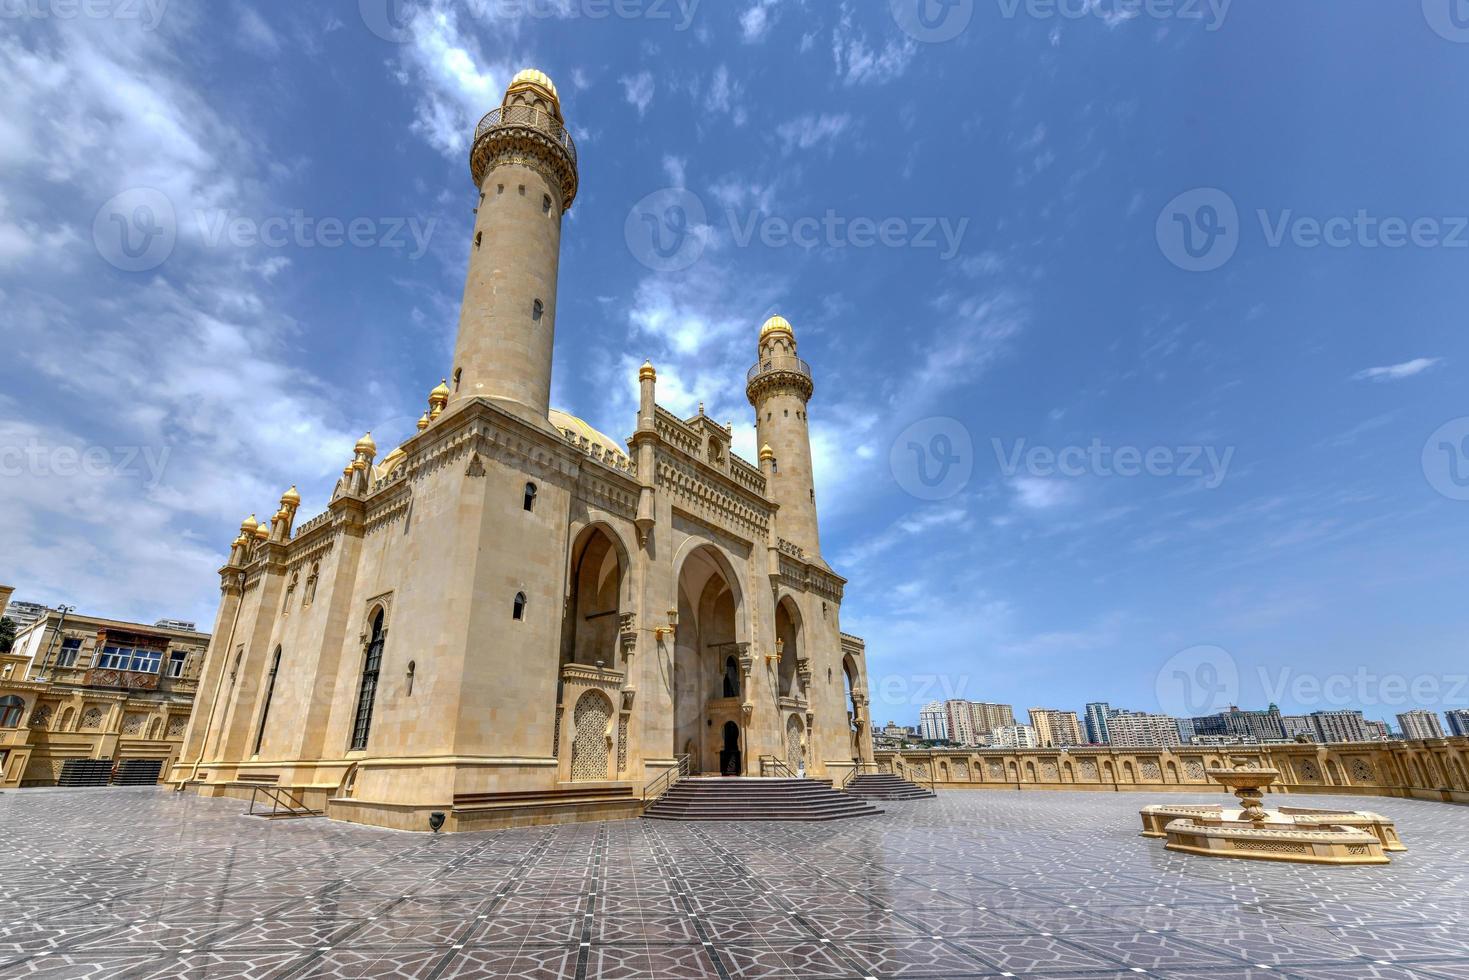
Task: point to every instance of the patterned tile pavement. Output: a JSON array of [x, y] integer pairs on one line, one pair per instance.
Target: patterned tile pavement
[[124, 883]]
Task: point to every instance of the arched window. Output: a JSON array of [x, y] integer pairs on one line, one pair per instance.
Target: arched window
[[518, 610], [731, 678], [367, 691], [478, 236], [291, 591], [11, 708], [458, 373], [275, 666], [412, 669], [310, 596], [537, 309], [530, 497], [545, 203]]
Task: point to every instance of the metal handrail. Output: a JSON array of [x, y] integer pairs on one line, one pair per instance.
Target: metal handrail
[[531, 117], [292, 804], [667, 779], [776, 766], [855, 770], [779, 362]]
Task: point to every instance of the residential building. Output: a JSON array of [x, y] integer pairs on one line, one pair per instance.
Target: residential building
[[1419, 723], [79, 687], [1054, 728], [1298, 728], [1137, 729], [988, 716], [1246, 726], [23, 614], [1187, 734], [1097, 713], [1380, 730], [1342, 726], [933, 722], [1458, 721], [961, 723], [1015, 737]]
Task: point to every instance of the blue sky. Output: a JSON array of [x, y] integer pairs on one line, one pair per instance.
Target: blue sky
[[1073, 262]]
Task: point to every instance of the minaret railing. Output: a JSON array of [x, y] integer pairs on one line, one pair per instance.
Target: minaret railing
[[531, 118]]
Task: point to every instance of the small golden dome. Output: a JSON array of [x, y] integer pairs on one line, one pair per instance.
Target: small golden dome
[[248, 525], [263, 532], [536, 77], [239, 541], [646, 372], [440, 392], [423, 422], [766, 452], [291, 498], [777, 324], [366, 445]]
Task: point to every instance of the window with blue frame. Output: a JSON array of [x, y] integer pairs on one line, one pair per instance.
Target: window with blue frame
[[128, 658], [70, 648]]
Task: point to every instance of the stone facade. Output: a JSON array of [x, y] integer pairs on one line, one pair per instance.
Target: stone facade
[[1432, 769], [511, 605], [64, 695]]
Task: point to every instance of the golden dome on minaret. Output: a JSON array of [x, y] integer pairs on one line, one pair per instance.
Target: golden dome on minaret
[[777, 324], [248, 525], [440, 390], [537, 78], [646, 372], [366, 445], [263, 532], [291, 498], [766, 452]]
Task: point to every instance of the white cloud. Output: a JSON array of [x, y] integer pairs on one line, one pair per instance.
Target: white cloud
[[1038, 493], [810, 130], [1397, 372], [638, 90], [858, 63], [756, 20]]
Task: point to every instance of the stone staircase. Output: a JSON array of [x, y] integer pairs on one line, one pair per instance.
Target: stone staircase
[[754, 798], [885, 786]]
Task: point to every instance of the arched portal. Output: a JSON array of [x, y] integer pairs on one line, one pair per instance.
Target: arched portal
[[855, 720], [589, 752], [589, 631], [730, 763], [708, 678], [795, 744], [788, 644]]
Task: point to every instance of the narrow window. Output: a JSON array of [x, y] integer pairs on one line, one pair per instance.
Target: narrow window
[[412, 669], [546, 204], [774, 466], [477, 236], [537, 308], [530, 498], [176, 661], [813, 495], [481, 197], [522, 190], [310, 595], [518, 611], [70, 647], [367, 691], [275, 665], [458, 372], [499, 188], [11, 708]]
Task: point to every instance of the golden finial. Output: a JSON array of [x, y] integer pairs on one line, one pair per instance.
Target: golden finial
[[423, 422], [263, 532], [766, 452], [248, 525], [646, 372], [366, 445], [777, 324], [291, 498]]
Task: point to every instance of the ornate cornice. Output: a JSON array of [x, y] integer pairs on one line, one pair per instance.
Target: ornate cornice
[[530, 138]]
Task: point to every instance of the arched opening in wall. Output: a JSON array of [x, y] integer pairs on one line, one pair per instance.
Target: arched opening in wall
[[1109, 773], [944, 771], [372, 662], [709, 629], [593, 744], [589, 633], [64, 725], [1068, 773], [1128, 776], [528, 500], [788, 645], [855, 722], [155, 729], [275, 666], [1014, 772], [1172, 772], [730, 762], [11, 708], [731, 677], [1030, 772], [795, 744], [1333, 774]]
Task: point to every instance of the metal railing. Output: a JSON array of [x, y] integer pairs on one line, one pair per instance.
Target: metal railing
[[780, 362], [856, 770], [283, 803], [772, 766], [531, 118], [667, 779]]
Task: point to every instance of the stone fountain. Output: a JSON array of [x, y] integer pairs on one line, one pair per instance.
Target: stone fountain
[[1285, 834]]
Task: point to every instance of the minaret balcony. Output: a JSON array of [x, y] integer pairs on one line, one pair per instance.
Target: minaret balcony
[[529, 117], [779, 369]]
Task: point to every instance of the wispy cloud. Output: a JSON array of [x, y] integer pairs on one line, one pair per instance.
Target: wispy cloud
[[638, 90], [1397, 372]]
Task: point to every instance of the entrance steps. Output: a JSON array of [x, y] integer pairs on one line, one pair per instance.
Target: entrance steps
[[886, 786], [755, 798]]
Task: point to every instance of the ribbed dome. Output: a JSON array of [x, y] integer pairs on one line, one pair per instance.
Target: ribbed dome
[[566, 422], [536, 77], [776, 324]]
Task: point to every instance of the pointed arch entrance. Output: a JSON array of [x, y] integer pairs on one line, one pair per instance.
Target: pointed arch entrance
[[596, 599], [709, 668]]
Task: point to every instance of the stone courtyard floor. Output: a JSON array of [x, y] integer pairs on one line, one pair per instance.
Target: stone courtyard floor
[[146, 883]]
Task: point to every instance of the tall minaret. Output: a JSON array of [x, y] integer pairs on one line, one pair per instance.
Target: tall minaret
[[779, 387], [524, 163]]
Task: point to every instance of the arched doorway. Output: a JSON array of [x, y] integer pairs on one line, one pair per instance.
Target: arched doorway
[[589, 631], [730, 763], [707, 682], [795, 744], [855, 720], [590, 750]]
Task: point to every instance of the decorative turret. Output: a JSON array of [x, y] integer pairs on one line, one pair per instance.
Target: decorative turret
[[779, 386], [523, 161]]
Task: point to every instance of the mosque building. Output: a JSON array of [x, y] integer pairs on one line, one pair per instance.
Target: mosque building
[[514, 618]]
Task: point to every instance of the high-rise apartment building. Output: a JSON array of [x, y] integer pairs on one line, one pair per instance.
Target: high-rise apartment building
[[933, 722], [1458, 721], [1054, 727], [1298, 727], [1097, 714], [1342, 726], [1015, 737], [1419, 723], [1136, 730], [1247, 726]]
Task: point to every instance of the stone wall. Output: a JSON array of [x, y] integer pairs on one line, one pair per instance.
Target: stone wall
[[1433, 769]]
